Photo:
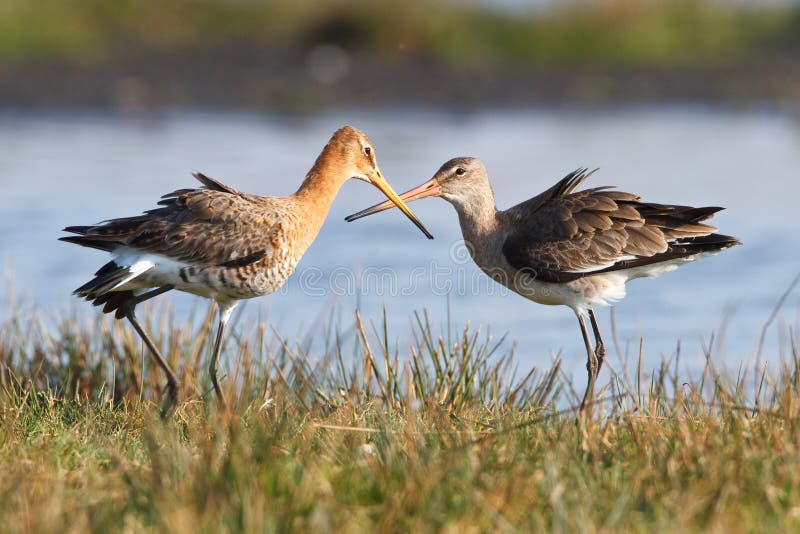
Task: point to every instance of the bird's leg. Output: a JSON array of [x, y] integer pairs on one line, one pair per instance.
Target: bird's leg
[[128, 309], [225, 309], [591, 364], [599, 347], [138, 299]]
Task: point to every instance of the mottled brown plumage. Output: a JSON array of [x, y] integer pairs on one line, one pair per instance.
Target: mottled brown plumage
[[220, 243], [562, 235], [569, 247]]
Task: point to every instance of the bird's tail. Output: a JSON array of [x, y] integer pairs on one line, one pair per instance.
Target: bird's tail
[[105, 279], [102, 289], [710, 243]]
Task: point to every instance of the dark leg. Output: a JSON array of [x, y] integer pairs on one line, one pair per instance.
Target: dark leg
[[599, 347], [591, 365], [212, 367], [138, 299], [225, 310], [172, 382]]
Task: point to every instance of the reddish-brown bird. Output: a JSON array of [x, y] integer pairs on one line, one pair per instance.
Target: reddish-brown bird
[[219, 243], [568, 247]]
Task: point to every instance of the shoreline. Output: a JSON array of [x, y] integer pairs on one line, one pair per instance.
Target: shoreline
[[290, 83]]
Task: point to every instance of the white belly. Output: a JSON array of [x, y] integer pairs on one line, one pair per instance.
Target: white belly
[[587, 292], [153, 270]]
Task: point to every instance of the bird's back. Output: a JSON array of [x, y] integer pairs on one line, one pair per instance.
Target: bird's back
[[565, 234], [213, 241]]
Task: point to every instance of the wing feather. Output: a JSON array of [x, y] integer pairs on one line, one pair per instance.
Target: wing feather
[[564, 234], [195, 226]]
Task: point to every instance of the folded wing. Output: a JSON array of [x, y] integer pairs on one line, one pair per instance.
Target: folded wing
[[562, 235], [193, 226]]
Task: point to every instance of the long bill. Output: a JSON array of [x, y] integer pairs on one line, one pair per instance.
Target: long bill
[[428, 189], [394, 200]]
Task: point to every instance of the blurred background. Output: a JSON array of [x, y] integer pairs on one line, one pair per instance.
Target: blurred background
[[307, 55], [104, 106]]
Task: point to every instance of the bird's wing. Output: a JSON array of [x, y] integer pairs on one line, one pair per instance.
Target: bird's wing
[[212, 225], [562, 235]]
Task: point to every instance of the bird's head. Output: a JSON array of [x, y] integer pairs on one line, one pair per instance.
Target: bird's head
[[355, 154], [457, 180]]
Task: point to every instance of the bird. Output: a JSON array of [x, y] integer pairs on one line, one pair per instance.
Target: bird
[[219, 243], [569, 247]]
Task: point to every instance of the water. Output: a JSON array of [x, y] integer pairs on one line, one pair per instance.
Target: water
[[79, 168]]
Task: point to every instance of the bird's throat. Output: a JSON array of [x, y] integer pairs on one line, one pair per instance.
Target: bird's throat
[[477, 216]]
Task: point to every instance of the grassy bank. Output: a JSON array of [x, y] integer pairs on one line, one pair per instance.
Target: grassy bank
[[302, 54], [445, 437], [616, 32]]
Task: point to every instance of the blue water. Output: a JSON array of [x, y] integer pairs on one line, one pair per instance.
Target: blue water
[[78, 168]]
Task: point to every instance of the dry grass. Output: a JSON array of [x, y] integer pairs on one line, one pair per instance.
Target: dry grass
[[444, 438]]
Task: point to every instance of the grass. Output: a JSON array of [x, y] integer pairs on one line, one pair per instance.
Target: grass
[[448, 437], [609, 33]]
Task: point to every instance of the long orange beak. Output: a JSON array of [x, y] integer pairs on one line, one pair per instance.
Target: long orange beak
[[428, 189], [394, 200]]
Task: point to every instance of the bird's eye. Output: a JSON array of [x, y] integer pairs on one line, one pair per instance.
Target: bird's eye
[[460, 171], [367, 151]]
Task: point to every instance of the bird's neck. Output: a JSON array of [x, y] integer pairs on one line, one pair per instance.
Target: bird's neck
[[477, 215], [319, 188]]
